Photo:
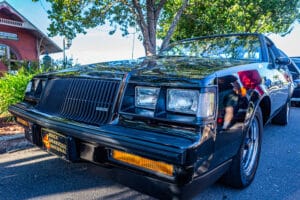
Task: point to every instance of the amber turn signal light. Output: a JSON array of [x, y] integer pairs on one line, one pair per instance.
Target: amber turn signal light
[[46, 141], [22, 121], [142, 162]]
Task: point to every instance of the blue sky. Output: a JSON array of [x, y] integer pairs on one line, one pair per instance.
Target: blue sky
[[97, 45]]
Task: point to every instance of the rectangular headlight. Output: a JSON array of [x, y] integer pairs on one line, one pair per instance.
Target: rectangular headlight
[[33, 85], [183, 101], [146, 97], [28, 87], [191, 102]]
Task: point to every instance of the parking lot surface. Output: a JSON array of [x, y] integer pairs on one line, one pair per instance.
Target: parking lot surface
[[34, 174]]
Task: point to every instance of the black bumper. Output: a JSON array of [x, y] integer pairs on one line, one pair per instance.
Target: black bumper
[[95, 144], [166, 148]]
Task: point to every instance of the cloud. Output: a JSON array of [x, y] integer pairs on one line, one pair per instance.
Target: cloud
[[290, 43], [98, 46]]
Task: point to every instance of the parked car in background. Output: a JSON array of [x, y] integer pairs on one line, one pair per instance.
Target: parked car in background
[[180, 120], [294, 70], [296, 76]]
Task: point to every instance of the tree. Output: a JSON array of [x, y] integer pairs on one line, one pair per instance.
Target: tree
[[162, 18], [206, 17], [69, 17]]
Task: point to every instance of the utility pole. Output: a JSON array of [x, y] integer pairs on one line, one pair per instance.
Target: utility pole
[[64, 53], [66, 45]]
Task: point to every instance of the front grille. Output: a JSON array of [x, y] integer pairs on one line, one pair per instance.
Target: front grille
[[80, 99]]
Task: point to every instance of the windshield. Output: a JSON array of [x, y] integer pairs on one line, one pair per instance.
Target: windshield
[[240, 47]]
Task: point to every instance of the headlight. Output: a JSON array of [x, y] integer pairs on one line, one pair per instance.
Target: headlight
[[28, 87], [33, 85], [36, 83], [191, 102], [146, 97], [184, 101]]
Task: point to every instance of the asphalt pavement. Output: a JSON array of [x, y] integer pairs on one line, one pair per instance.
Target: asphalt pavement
[[34, 174]]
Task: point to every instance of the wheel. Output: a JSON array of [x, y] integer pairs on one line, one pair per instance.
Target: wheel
[[282, 118], [244, 165]]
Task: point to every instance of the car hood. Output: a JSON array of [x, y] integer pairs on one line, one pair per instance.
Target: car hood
[[163, 67], [183, 67]]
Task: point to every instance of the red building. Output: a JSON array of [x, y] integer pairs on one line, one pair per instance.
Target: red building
[[20, 40]]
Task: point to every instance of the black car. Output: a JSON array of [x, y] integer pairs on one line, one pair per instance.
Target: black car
[[294, 67], [180, 120]]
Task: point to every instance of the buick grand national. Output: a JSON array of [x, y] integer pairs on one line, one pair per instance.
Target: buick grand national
[[187, 117]]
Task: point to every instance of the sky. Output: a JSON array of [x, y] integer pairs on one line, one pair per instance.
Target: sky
[[98, 46], [95, 46]]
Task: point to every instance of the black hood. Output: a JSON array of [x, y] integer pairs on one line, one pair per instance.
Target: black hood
[[160, 67], [184, 67]]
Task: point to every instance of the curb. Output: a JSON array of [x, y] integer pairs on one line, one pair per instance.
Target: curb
[[9, 143]]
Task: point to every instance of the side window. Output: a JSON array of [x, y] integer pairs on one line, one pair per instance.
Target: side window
[[271, 58]]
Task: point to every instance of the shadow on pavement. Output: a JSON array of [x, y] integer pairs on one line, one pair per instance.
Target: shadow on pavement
[[34, 174]]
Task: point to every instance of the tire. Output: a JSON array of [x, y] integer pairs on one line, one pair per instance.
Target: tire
[[244, 165], [282, 118]]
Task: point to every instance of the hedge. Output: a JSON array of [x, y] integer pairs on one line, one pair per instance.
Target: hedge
[[12, 88]]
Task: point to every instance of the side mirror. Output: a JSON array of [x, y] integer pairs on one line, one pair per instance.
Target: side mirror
[[283, 60]]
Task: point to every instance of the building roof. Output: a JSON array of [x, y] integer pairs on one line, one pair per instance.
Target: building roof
[[18, 20]]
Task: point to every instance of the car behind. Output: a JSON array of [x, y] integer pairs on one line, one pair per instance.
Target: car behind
[[294, 68]]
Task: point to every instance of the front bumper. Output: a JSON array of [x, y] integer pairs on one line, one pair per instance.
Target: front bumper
[[96, 143]]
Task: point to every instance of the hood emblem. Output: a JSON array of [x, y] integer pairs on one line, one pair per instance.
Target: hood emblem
[[101, 109]]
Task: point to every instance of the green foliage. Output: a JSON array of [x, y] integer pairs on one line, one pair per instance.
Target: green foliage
[[206, 17], [12, 88], [153, 18], [69, 17]]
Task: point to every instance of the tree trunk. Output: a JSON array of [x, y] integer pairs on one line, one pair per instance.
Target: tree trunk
[[151, 22], [148, 25], [175, 21]]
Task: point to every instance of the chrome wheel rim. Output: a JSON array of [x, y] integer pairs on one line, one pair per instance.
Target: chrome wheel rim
[[250, 149]]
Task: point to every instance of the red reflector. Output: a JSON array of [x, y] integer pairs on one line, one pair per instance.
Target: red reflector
[[250, 79], [220, 120], [261, 92]]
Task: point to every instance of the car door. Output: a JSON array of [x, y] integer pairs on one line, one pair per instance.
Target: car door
[[278, 78]]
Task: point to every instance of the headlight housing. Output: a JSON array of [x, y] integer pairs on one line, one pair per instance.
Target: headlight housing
[[191, 102], [183, 101], [28, 87], [34, 89], [207, 104], [146, 97]]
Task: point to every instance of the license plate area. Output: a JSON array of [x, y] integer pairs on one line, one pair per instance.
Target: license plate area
[[58, 144]]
